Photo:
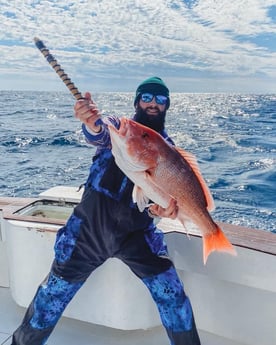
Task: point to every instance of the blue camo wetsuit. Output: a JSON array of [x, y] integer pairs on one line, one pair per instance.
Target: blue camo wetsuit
[[105, 224]]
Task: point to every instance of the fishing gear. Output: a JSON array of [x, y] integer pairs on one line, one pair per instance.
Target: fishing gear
[[60, 71], [56, 66]]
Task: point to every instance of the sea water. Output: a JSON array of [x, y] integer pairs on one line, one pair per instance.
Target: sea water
[[233, 137]]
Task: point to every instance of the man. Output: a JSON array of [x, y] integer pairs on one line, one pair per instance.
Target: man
[[107, 223]]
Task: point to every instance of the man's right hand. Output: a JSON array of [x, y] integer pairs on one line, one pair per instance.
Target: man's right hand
[[87, 112]]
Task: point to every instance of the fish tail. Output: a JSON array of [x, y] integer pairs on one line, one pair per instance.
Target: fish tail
[[216, 241]]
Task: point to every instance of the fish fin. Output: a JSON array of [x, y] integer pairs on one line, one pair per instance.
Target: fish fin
[[191, 159], [183, 220], [140, 198], [216, 241]]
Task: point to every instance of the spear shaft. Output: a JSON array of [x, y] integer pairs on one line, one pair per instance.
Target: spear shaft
[[59, 70]]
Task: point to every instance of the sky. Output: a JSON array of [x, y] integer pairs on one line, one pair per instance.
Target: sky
[[113, 45]]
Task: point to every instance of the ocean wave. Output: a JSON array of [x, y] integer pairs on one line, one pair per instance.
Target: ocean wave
[[232, 136]]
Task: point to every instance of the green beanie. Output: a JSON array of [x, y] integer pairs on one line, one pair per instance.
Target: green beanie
[[154, 85]]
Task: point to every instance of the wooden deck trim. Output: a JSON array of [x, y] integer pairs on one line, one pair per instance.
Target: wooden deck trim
[[254, 239], [10, 205]]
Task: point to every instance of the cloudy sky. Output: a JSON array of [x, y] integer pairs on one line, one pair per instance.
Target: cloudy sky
[[111, 45]]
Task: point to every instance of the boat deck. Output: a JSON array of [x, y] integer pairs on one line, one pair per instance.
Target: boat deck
[[72, 332]]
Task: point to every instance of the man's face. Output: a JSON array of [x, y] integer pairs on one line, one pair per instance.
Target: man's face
[[152, 108], [151, 114]]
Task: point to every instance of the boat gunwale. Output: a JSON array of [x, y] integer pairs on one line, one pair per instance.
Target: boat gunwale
[[240, 236]]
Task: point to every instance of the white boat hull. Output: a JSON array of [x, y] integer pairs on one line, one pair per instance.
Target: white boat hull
[[232, 297], [112, 296]]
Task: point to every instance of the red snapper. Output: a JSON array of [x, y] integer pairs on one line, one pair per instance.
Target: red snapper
[[161, 172]]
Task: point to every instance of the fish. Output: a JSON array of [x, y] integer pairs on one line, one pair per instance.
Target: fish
[[162, 172]]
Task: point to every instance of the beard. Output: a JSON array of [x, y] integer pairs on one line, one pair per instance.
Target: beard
[[155, 122]]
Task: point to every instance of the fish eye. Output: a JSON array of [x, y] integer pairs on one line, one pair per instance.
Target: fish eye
[[145, 135]]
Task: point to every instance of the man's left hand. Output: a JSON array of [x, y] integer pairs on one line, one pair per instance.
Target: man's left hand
[[169, 212]]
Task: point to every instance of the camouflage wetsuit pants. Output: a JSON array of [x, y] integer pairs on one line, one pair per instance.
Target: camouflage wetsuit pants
[[84, 243]]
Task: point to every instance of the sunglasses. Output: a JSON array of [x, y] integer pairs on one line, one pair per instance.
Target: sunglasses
[[159, 99]]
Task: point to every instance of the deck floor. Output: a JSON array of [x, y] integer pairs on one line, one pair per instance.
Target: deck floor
[[72, 332]]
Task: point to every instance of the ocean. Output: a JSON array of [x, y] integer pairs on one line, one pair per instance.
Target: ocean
[[233, 137]]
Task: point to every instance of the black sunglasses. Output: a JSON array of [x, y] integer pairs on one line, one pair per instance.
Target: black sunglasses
[[159, 99]]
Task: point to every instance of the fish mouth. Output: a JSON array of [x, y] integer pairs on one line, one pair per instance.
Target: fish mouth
[[127, 130], [124, 122], [122, 130]]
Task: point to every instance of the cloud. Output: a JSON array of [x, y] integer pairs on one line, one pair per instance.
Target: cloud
[[115, 39]]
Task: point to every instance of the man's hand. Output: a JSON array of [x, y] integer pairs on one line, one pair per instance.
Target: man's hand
[[87, 112], [169, 212]]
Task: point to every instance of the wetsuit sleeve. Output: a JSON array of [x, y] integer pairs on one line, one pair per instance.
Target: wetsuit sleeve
[[102, 138], [167, 138]]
